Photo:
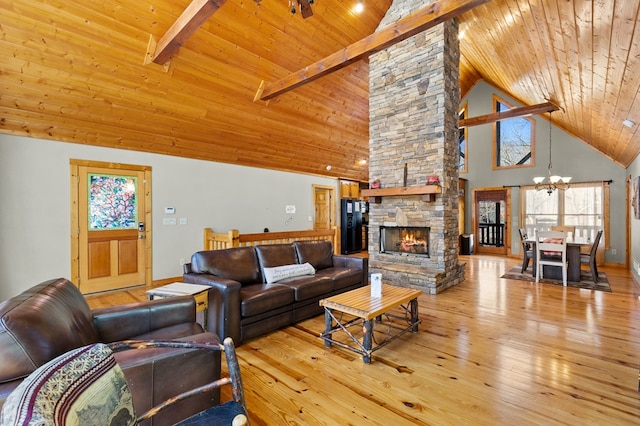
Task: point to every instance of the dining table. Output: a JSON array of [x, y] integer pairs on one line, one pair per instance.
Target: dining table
[[575, 245]]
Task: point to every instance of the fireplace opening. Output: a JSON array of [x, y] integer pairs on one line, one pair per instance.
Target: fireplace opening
[[404, 240]]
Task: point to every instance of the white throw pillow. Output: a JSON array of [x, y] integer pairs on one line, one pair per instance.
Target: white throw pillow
[[278, 273]]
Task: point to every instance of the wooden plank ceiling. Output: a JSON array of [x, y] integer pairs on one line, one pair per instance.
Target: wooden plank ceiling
[[76, 72]]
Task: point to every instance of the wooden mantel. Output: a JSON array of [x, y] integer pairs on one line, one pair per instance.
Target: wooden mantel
[[428, 192]]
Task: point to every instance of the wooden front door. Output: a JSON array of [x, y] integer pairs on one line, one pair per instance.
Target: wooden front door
[[112, 244]]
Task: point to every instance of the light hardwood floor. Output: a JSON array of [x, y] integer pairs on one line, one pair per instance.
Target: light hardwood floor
[[489, 351]]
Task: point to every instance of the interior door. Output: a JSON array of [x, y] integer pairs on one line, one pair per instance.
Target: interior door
[[113, 246], [323, 207]]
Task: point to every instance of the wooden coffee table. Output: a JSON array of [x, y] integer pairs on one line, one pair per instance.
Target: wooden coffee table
[[364, 309]]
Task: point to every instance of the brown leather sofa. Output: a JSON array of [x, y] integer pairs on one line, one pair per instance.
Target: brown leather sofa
[[54, 317], [241, 303]]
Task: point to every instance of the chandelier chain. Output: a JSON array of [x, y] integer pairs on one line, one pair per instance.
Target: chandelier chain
[[554, 181]]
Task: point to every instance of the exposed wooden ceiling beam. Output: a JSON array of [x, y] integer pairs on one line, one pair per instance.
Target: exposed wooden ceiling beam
[[185, 26], [512, 113], [417, 22]]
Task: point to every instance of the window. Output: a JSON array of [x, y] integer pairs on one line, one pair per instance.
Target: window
[[582, 206], [462, 141], [514, 139]]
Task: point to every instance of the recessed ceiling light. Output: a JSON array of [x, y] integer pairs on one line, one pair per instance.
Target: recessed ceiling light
[[329, 167], [359, 7], [628, 123]]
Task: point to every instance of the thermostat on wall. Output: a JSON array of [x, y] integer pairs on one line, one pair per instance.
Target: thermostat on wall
[[169, 210]]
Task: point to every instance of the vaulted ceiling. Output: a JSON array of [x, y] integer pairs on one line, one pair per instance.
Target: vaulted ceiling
[[76, 72]]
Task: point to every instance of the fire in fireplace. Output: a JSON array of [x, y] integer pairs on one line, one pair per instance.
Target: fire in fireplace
[[404, 240]]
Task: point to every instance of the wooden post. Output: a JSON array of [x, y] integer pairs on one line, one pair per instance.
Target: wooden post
[[207, 237], [328, 325], [414, 315], [234, 238], [367, 340]]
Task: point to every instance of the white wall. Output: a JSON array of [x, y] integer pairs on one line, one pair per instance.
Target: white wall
[[571, 157], [35, 205], [634, 172]]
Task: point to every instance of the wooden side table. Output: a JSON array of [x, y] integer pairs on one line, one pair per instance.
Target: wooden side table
[[199, 292]]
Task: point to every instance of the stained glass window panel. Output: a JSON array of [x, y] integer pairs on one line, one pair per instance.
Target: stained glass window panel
[[112, 202]]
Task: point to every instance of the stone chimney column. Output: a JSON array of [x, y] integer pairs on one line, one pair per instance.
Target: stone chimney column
[[414, 99]]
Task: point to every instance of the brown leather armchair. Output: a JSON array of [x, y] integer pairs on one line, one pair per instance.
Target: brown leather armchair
[[53, 318]]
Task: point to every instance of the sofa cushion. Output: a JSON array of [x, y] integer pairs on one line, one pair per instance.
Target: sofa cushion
[[83, 386], [174, 332], [272, 275], [121, 322], [318, 253], [40, 324], [259, 298], [309, 286], [272, 255], [237, 264], [342, 277]]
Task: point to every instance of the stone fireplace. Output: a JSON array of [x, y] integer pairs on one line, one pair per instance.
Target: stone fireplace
[[413, 108]]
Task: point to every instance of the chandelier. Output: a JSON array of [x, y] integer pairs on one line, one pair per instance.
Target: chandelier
[[554, 180]]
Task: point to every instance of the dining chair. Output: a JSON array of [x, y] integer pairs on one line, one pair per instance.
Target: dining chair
[[551, 250], [87, 386], [568, 229], [590, 258], [527, 249]]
